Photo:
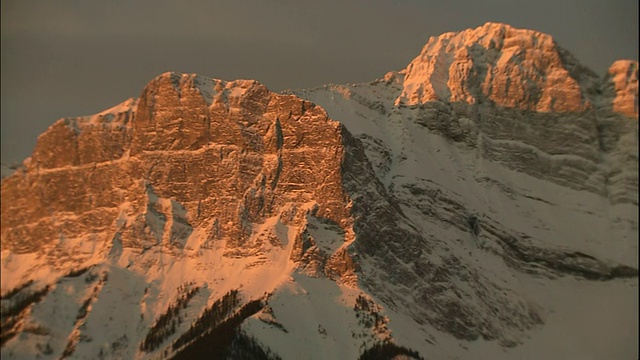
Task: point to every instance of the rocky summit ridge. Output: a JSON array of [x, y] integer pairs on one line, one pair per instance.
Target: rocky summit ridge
[[511, 67], [472, 205]]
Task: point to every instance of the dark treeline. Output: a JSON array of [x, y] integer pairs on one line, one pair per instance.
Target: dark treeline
[[211, 317], [388, 351], [16, 290], [217, 342], [167, 323], [18, 302], [246, 347], [21, 301]]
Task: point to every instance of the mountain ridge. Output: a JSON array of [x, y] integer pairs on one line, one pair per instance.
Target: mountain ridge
[[373, 202]]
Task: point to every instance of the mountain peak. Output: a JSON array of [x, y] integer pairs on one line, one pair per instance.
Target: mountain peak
[[621, 84], [514, 68], [497, 33]]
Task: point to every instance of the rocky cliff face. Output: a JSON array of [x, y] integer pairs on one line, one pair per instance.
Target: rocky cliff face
[[195, 166], [230, 154], [426, 209]]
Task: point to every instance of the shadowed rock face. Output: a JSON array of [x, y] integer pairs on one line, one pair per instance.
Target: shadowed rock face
[[496, 95]]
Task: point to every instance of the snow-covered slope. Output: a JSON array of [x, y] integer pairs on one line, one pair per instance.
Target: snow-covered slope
[[481, 203], [496, 184]]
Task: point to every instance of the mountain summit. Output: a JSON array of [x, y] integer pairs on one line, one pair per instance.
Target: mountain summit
[[481, 203], [511, 67]]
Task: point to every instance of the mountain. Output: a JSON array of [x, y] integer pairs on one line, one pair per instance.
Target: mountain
[[480, 203]]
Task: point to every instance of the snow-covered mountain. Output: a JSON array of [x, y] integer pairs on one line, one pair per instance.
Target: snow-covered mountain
[[481, 203]]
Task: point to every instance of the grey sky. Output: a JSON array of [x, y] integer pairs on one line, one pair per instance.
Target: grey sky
[[70, 58]]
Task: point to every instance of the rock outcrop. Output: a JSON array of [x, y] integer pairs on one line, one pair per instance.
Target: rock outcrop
[[621, 86]]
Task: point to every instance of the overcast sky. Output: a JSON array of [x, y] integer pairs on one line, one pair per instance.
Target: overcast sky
[[70, 58]]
